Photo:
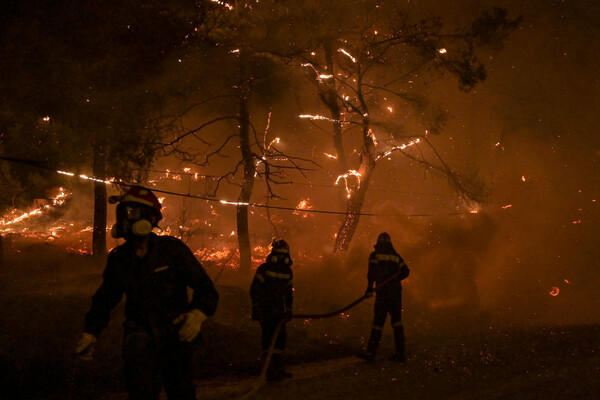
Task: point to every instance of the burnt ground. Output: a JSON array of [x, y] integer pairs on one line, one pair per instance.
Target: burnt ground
[[45, 291]]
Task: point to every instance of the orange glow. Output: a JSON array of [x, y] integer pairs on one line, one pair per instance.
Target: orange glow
[[303, 205], [555, 291], [347, 54], [345, 178]]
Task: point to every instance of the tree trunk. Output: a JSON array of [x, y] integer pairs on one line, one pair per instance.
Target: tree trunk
[[100, 201], [243, 232], [329, 97], [357, 197]]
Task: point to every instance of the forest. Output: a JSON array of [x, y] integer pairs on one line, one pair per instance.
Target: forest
[[466, 131]]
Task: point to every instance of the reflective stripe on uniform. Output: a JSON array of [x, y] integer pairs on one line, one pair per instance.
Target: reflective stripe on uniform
[[387, 257], [397, 324], [260, 277], [377, 327], [278, 275]]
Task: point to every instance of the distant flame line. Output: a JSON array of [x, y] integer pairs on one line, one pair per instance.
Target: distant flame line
[[39, 164]]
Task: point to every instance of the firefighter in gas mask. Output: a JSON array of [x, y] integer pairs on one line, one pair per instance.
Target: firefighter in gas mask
[[161, 324], [271, 293], [385, 274]]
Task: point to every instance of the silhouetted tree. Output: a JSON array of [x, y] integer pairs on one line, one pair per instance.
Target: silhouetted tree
[[373, 56], [88, 67]]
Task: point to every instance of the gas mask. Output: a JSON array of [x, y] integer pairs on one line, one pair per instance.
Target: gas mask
[[133, 220]]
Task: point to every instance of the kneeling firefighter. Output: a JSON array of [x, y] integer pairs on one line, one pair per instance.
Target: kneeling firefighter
[[161, 324], [271, 293]]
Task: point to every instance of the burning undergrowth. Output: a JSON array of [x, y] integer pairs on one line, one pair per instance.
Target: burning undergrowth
[[51, 285]]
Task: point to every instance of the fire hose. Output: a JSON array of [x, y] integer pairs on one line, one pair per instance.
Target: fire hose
[[263, 372]]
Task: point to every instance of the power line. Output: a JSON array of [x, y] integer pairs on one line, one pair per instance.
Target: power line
[[43, 165]]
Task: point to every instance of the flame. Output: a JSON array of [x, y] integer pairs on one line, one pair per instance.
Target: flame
[[222, 3], [347, 54], [303, 205], [83, 176], [234, 203], [276, 141], [345, 178], [330, 156], [320, 117], [555, 291], [401, 147], [58, 200]]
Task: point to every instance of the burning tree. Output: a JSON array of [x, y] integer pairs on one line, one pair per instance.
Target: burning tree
[[365, 65], [243, 42], [91, 80]]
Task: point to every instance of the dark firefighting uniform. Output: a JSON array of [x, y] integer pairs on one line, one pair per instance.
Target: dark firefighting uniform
[[271, 292], [386, 266], [155, 287]]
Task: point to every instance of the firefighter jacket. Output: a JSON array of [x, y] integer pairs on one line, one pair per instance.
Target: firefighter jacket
[[272, 288], [386, 266], [155, 287]]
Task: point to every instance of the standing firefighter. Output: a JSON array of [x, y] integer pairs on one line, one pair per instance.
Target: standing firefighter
[[386, 270], [272, 293], [153, 272]]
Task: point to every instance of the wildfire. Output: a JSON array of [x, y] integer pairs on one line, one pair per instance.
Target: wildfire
[[347, 54], [83, 176], [57, 200], [276, 141], [555, 291], [345, 178], [303, 205], [321, 118], [222, 3], [401, 147], [234, 203]]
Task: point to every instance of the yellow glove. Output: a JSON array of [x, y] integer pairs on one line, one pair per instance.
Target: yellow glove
[[85, 346], [191, 324]]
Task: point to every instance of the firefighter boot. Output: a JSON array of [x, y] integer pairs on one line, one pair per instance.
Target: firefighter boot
[[374, 341], [399, 341], [276, 370]]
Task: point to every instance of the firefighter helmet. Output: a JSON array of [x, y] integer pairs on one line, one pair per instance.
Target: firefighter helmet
[[384, 237], [138, 194], [280, 246], [138, 212], [280, 252]]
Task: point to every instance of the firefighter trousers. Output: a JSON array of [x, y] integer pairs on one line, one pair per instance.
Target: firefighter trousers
[[147, 364]]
